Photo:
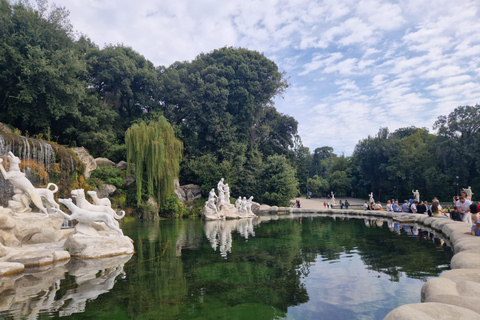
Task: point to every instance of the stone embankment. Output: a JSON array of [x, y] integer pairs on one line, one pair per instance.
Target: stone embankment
[[453, 295]]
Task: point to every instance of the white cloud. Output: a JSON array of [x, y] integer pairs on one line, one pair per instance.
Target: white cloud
[[353, 65]]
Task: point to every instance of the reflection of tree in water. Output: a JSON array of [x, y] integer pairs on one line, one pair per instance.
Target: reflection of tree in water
[[379, 248]]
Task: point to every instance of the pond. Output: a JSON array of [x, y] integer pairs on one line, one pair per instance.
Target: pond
[[307, 267]]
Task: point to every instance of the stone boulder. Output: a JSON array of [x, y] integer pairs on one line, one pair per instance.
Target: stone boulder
[[122, 165], [106, 190], [87, 159], [188, 192], [88, 247], [104, 162], [4, 128]]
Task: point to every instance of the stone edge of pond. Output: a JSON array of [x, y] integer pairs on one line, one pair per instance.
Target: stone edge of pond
[[453, 295]]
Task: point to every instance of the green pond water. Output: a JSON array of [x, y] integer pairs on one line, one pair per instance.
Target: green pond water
[[291, 268]]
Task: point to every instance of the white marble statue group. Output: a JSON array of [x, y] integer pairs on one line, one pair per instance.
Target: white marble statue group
[[218, 207], [83, 211]]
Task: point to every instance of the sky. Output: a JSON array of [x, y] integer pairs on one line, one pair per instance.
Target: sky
[[353, 65]]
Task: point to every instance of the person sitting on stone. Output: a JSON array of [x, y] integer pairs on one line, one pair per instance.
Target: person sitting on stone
[[474, 212], [437, 211], [378, 206], [413, 206], [365, 206], [346, 204], [396, 207], [475, 229], [389, 205], [341, 204], [405, 206], [421, 208], [463, 207]]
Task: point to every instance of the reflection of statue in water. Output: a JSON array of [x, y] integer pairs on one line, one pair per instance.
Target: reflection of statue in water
[[416, 194], [469, 193], [371, 200]]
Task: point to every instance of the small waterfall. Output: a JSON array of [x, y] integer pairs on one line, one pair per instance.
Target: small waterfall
[[38, 156]]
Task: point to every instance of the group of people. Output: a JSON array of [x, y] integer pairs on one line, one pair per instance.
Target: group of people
[[463, 209]]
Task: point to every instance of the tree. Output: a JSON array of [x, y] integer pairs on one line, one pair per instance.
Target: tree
[[278, 182], [41, 69], [155, 153]]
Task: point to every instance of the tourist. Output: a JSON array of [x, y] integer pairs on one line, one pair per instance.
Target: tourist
[[389, 205], [346, 204], [405, 206], [421, 208], [413, 206], [463, 207], [341, 204], [437, 211], [396, 207], [324, 204], [474, 212], [378, 206], [366, 206]]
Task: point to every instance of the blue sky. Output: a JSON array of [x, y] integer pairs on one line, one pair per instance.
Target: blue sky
[[353, 66]]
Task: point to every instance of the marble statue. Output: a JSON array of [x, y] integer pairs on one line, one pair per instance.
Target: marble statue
[[248, 207], [226, 190], [223, 208], [86, 217], [371, 200], [220, 189], [99, 201], [82, 203], [210, 211], [212, 195], [24, 189], [416, 194], [469, 192], [332, 200], [238, 202]]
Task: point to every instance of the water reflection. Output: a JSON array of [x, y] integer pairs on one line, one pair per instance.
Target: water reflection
[[63, 288], [219, 233], [291, 266]]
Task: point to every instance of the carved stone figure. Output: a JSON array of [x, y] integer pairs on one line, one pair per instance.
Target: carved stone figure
[[332, 200], [238, 203], [248, 207], [469, 192], [86, 217], [24, 189], [82, 203], [220, 189], [226, 190], [212, 195], [210, 211], [416, 194], [370, 200], [97, 201]]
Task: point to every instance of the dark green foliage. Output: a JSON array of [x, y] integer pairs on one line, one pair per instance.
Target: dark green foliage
[[277, 180], [172, 208], [106, 174]]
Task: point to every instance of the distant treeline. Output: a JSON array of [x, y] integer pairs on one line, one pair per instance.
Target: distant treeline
[[64, 88], [392, 164]]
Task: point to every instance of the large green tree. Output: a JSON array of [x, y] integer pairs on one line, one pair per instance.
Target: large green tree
[[41, 69], [154, 153]]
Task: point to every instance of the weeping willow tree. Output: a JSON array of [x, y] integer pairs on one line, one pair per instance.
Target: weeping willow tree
[[155, 153]]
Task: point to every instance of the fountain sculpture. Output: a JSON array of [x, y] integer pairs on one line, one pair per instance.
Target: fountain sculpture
[[35, 237], [218, 207]]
